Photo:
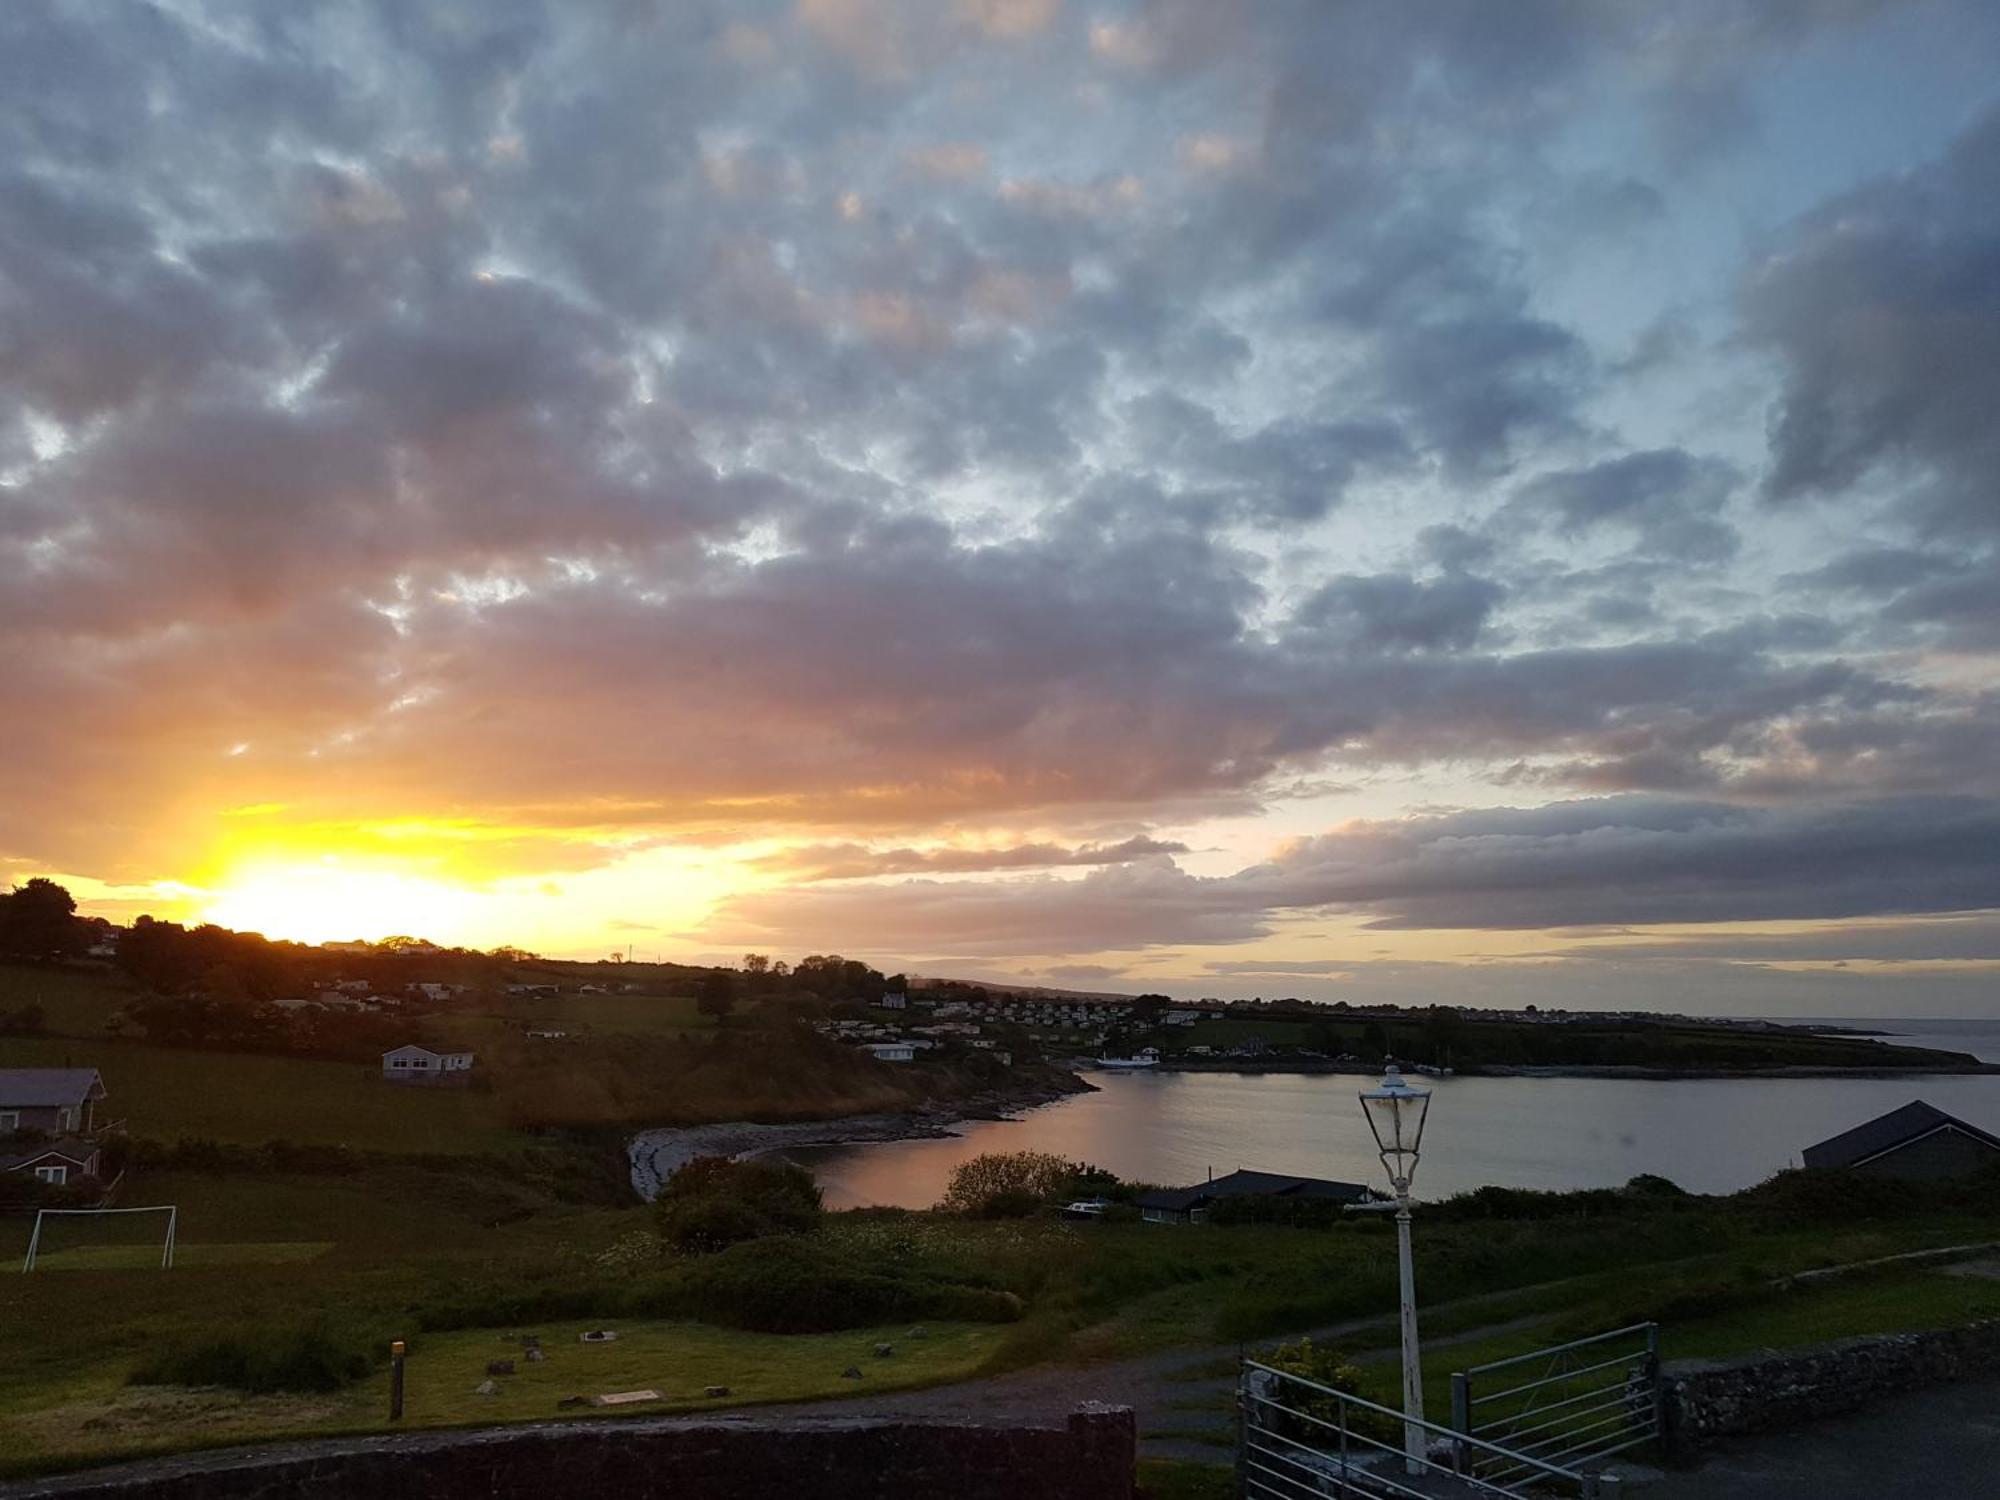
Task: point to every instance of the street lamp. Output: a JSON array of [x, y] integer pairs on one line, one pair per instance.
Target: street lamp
[[1396, 1114]]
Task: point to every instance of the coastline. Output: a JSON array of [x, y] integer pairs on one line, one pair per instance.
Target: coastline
[[655, 1154], [1972, 1067]]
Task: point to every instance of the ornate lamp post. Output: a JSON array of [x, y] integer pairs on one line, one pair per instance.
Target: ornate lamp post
[[1396, 1114]]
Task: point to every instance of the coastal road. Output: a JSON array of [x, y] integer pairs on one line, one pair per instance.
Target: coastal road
[[1941, 1444]]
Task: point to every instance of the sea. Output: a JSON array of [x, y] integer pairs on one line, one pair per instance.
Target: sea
[[1710, 1135]]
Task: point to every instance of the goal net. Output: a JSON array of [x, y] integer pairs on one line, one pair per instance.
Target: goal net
[[103, 1239]]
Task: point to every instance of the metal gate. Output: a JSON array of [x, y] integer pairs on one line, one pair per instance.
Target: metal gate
[[1305, 1441], [1573, 1405]]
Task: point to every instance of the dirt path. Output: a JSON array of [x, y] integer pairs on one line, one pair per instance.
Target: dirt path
[[1184, 1398]]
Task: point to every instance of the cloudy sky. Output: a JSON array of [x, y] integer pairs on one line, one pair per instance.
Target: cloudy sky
[[1451, 501]]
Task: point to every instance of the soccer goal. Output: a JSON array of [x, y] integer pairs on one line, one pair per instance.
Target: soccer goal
[[100, 1251]]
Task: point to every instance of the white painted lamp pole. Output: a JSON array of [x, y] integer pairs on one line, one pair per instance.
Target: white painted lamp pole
[[1396, 1114]]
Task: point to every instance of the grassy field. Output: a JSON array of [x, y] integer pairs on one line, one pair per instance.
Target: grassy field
[[99, 1416], [74, 1001], [248, 1098]]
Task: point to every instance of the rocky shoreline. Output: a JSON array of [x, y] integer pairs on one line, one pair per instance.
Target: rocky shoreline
[[655, 1155]]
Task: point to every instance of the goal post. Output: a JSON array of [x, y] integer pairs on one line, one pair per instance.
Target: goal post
[[172, 1211]]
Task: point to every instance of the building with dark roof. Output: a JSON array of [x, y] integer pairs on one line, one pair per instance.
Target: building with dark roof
[[1918, 1143], [1190, 1205], [60, 1101]]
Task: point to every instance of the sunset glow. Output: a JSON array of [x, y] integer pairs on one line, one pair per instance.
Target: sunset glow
[[1131, 496]]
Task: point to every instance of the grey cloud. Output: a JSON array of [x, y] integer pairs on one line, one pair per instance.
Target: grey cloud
[[1968, 939], [1884, 309], [1607, 862], [857, 861], [1394, 612], [1670, 498]]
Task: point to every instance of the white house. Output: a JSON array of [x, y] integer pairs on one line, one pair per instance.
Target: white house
[[893, 1051], [411, 1064], [894, 1000]]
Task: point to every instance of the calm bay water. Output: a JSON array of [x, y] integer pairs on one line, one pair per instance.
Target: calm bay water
[[1709, 1135]]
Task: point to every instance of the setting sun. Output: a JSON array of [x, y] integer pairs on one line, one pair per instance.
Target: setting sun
[[329, 901]]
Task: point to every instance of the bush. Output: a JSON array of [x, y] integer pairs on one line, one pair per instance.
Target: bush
[[308, 1358], [1009, 1184], [791, 1285], [713, 1203], [1329, 1367]]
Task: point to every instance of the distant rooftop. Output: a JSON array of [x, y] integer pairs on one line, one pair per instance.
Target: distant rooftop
[[49, 1088], [1242, 1184]]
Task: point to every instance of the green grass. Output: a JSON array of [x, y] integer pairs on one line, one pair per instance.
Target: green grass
[[247, 1098], [677, 1359], [74, 1001], [147, 1257], [1179, 1479], [99, 1417]]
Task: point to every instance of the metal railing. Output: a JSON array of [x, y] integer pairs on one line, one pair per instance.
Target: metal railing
[[1302, 1440], [1571, 1404]]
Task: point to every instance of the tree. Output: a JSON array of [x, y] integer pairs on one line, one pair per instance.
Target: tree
[[38, 920], [1007, 1184], [757, 964], [715, 993], [1375, 1039]]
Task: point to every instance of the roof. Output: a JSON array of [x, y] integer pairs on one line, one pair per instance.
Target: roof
[[49, 1088], [1253, 1185], [1897, 1128]]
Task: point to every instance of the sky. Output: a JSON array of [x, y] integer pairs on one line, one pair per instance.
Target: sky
[[1443, 503]]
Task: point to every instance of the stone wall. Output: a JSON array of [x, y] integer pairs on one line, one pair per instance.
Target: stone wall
[[1089, 1457], [1710, 1400]]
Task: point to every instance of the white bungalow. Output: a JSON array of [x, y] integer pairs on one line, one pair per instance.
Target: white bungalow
[[411, 1064], [893, 1051]]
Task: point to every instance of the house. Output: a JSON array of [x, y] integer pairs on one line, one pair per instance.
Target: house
[[895, 1000], [1190, 1205], [1917, 1143], [411, 1064], [58, 1101], [546, 1036], [58, 1163], [893, 1051]]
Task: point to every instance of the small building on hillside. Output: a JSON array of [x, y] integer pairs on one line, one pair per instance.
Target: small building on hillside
[[893, 1051], [412, 1064], [59, 1163], [58, 1101], [1917, 1143], [1190, 1205], [894, 1000]]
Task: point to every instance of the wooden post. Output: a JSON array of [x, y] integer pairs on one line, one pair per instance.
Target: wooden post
[[396, 1381]]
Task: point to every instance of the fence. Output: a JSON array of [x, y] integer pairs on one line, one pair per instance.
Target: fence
[[1574, 1404], [1305, 1441]]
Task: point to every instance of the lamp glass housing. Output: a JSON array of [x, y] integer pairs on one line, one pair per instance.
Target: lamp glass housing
[[1396, 1114]]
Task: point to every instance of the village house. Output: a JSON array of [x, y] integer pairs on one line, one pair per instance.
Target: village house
[[892, 1051], [413, 1064], [60, 1103], [57, 1101], [1917, 1143], [894, 1000], [1190, 1205]]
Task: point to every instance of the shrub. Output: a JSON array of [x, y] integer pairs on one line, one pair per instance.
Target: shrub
[[1008, 1184], [713, 1203], [1330, 1368], [792, 1285], [311, 1357]]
